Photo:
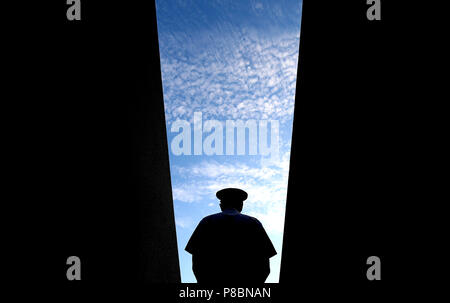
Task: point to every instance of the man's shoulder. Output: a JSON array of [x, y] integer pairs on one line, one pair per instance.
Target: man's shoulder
[[250, 218], [221, 215], [209, 218], [212, 217]]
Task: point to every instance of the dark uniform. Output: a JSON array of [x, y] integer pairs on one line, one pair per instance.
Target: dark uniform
[[230, 247]]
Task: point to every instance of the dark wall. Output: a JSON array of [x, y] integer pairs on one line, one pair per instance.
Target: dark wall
[[101, 167], [352, 181]]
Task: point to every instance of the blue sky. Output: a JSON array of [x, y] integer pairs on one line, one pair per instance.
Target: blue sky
[[229, 60]]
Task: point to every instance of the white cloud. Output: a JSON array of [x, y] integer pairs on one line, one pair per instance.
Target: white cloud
[[244, 76], [184, 222], [184, 194]]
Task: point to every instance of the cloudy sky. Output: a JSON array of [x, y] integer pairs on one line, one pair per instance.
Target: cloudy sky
[[229, 60]]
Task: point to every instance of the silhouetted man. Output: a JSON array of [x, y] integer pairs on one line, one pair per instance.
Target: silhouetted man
[[230, 247]]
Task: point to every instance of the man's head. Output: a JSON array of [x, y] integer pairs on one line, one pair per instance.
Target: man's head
[[231, 198]]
